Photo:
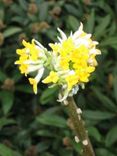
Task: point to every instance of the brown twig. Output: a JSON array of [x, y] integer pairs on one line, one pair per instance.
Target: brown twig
[[81, 134]]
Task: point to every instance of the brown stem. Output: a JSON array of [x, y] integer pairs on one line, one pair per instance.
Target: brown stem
[[79, 127]]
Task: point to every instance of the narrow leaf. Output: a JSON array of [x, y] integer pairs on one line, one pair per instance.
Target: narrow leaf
[[104, 100], [90, 22], [111, 137], [52, 120], [102, 26], [7, 99], [5, 151], [98, 115], [4, 121], [92, 131], [73, 22], [109, 41], [115, 87], [11, 31], [2, 76], [103, 152], [48, 95]]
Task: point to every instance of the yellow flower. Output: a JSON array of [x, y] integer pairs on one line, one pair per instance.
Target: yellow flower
[[74, 54], [29, 53], [70, 63], [23, 68], [34, 83], [53, 77], [64, 63], [32, 49], [71, 81], [66, 47], [31, 59], [55, 47]]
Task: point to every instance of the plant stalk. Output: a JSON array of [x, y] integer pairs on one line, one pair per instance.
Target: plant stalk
[[79, 127]]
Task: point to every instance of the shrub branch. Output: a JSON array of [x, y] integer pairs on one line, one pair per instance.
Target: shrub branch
[[79, 127]]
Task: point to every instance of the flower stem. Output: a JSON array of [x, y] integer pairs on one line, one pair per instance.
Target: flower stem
[[79, 127]]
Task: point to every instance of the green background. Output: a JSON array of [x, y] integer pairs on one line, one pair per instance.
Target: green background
[[37, 125]]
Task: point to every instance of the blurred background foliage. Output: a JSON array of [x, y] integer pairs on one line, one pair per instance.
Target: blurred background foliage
[[37, 125]]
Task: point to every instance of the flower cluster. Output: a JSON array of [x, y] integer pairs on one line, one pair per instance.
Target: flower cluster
[[32, 59], [72, 61]]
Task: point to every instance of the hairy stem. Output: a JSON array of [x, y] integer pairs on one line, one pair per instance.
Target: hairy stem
[[79, 127]]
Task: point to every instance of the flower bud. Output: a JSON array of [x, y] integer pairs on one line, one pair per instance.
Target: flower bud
[[55, 12], [32, 8], [1, 39], [22, 37], [66, 142], [8, 84], [87, 2], [7, 2], [31, 151], [36, 27], [2, 25]]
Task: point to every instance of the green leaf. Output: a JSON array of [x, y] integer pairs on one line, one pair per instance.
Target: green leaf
[[5, 151], [43, 146], [23, 4], [52, 110], [4, 121], [51, 34], [91, 22], [111, 40], [98, 115], [65, 152], [104, 100], [24, 88], [18, 11], [17, 153], [115, 87], [103, 152], [45, 133], [2, 76], [43, 11], [52, 120], [71, 9], [73, 22], [48, 95], [76, 146], [46, 154], [11, 31], [20, 20], [111, 137], [7, 99], [17, 76], [100, 29], [1, 14], [92, 131]]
